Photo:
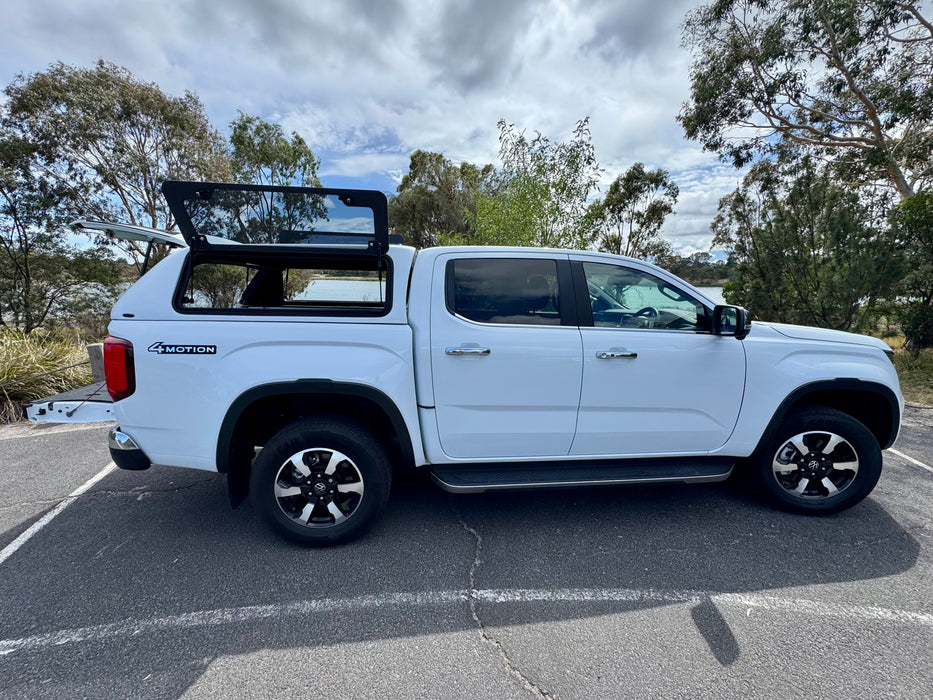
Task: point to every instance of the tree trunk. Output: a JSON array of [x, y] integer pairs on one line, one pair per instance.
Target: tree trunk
[[900, 181]]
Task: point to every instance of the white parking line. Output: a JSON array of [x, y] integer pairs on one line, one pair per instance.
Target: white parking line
[[11, 548], [913, 461], [211, 618], [739, 600], [223, 616]]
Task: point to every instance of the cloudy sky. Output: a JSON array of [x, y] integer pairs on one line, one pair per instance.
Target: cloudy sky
[[366, 82]]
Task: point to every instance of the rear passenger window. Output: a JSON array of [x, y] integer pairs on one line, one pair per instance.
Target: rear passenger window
[[497, 290]]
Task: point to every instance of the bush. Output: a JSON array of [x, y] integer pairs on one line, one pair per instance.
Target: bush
[[916, 374], [917, 324], [86, 314], [25, 355]]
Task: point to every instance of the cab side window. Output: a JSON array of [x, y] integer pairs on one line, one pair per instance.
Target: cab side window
[[623, 297], [504, 291]]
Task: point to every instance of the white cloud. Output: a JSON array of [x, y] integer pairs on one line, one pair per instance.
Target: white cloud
[[366, 82]]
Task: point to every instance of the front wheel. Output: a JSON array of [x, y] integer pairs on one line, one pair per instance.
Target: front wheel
[[321, 481], [820, 460]]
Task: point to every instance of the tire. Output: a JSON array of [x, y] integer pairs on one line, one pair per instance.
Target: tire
[[819, 461], [321, 481]]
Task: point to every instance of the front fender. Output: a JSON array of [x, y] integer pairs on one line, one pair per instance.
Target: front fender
[[783, 372]]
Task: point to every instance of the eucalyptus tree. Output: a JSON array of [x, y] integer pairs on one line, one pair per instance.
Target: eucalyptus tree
[[806, 248], [436, 199], [261, 153], [541, 192], [628, 220], [108, 140], [850, 80], [912, 222], [40, 273]]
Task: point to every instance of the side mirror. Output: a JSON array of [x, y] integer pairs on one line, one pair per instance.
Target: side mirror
[[730, 320]]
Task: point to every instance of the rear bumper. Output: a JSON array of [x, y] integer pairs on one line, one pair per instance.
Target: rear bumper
[[124, 451]]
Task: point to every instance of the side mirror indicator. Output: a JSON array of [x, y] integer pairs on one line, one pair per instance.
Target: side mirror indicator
[[730, 320]]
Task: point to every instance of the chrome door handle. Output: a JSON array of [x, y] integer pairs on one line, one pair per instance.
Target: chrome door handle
[[467, 351], [616, 355]]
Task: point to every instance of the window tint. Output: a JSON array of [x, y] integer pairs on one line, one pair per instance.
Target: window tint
[[494, 290], [622, 297], [281, 286]]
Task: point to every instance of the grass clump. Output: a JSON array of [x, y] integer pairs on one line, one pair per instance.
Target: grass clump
[[914, 370], [24, 355], [916, 374]]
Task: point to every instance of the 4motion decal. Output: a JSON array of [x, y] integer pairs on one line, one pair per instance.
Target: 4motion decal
[[182, 349]]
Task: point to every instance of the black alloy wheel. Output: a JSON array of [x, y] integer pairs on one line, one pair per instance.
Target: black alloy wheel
[[820, 460], [321, 480]]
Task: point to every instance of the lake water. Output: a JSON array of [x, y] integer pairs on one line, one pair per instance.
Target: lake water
[[343, 290]]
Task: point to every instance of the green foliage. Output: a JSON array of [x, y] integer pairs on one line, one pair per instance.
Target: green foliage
[[912, 221], [511, 215], [542, 192], [220, 284], [628, 221], [436, 200], [912, 224], [85, 313], [262, 154], [917, 324], [807, 250], [39, 272], [698, 268], [109, 140], [24, 355], [848, 79]]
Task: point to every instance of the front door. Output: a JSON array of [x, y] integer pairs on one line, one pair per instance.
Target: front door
[[655, 380]]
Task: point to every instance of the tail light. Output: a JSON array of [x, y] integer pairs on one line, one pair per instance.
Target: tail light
[[119, 368]]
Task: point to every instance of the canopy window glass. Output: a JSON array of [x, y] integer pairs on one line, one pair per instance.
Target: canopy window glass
[[269, 215], [282, 286]]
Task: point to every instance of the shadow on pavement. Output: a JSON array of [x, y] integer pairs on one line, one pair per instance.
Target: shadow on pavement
[[166, 543]]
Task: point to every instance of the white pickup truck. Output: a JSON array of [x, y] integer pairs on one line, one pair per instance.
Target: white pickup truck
[[287, 344]]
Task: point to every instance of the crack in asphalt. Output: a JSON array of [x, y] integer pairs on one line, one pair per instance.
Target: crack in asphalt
[[491, 641], [136, 491]]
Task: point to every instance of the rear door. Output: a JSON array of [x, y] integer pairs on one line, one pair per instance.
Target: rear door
[[506, 355]]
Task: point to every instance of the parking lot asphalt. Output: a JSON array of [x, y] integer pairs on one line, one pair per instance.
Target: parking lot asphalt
[[148, 584]]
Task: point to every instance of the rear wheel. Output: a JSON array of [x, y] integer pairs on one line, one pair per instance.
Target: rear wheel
[[819, 461], [321, 481]]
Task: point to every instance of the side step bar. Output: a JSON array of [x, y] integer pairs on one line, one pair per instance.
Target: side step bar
[[476, 478]]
